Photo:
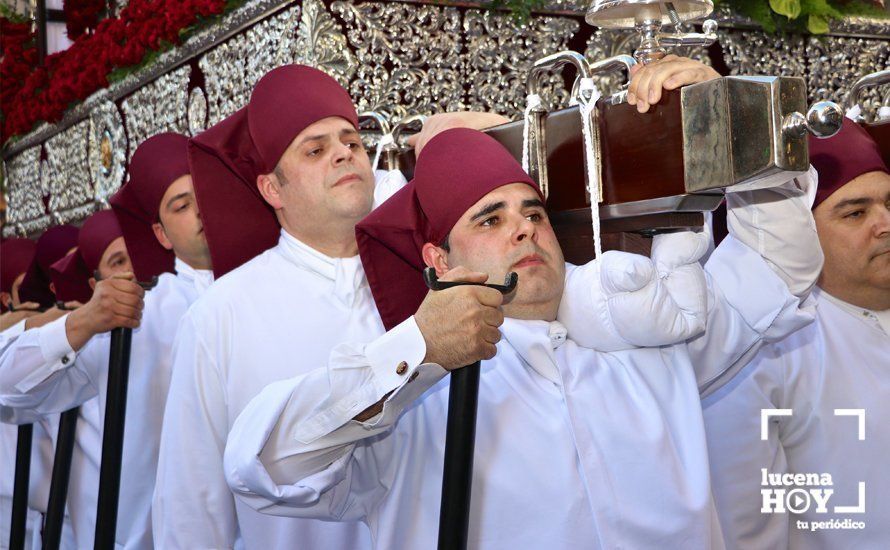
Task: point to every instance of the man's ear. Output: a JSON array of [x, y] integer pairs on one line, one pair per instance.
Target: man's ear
[[5, 299], [269, 188], [435, 257], [52, 288], [161, 235], [92, 282]]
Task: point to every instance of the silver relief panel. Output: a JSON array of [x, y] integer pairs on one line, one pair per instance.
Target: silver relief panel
[[159, 106], [408, 57], [751, 53], [67, 174], [320, 43], [499, 53], [107, 150], [197, 111], [233, 68], [25, 210], [835, 63]]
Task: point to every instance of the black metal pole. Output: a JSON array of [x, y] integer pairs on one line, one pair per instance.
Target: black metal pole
[[58, 487], [460, 434], [460, 440], [19, 520], [41, 31], [113, 438]]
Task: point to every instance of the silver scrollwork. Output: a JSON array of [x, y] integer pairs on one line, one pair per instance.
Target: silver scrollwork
[[157, 107]]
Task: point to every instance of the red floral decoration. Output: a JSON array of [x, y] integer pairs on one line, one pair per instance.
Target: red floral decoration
[[82, 16], [70, 76], [18, 51]]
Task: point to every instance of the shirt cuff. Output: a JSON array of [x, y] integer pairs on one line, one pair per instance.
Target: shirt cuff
[[395, 356], [54, 342]]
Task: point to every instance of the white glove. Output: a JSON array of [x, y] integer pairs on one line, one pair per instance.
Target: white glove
[[624, 300]]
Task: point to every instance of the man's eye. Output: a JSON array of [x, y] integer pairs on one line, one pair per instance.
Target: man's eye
[[353, 145], [181, 207], [314, 152], [855, 214], [536, 217], [488, 222]]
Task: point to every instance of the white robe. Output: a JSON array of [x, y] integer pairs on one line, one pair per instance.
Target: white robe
[[275, 316], [575, 448], [839, 362], [42, 375]]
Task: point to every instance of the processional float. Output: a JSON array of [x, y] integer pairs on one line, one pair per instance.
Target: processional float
[[604, 167]]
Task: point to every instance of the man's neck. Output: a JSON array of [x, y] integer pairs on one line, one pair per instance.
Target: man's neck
[[874, 299], [194, 265], [337, 243]]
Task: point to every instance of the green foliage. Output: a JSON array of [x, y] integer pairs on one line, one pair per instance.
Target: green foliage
[[803, 16], [521, 9]]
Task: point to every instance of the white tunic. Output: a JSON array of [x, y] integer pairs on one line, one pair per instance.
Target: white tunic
[[42, 375], [839, 362], [275, 316], [574, 447], [43, 435]]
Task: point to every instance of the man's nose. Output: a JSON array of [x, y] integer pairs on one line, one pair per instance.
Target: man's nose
[[342, 153], [524, 230], [882, 224]]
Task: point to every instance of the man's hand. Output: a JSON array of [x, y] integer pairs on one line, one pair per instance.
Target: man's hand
[[116, 302], [445, 121], [460, 324], [50, 315], [24, 311], [669, 73]]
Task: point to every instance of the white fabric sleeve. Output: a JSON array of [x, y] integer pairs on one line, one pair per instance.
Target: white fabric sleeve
[[192, 506], [627, 300], [9, 335], [41, 374], [295, 449], [777, 223], [387, 183], [749, 304]]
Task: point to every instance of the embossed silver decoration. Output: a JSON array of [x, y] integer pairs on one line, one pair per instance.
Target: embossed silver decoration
[[836, 63], [233, 68], [25, 212], [408, 57], [67, 174], [197, 111], [107, 150], [756, 53], [320, 43], [157, 107], [500, 53]]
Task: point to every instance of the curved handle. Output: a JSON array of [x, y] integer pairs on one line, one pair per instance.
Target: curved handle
[[377, 119]]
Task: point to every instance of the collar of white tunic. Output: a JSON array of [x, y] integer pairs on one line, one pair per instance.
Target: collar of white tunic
[[201, 279], [879, 319], [346, 274], [535, 342]]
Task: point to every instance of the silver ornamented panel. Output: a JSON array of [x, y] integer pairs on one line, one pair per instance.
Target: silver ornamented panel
[[197, 111], [756, 53], [25, 209], [107, 150], [157, 107], [67, 174], [233, 68], [834, 63], [408, 57], [499, 53], [320, 43]]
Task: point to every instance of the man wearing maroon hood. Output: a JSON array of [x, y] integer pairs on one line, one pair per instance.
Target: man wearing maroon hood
[[15, 257], [575, 447], [156, 215], [829, 383]]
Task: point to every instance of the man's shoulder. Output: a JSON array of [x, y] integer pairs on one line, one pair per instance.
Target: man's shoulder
[[239, 285]]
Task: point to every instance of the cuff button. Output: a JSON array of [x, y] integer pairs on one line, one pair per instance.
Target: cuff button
[[402, 368]]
